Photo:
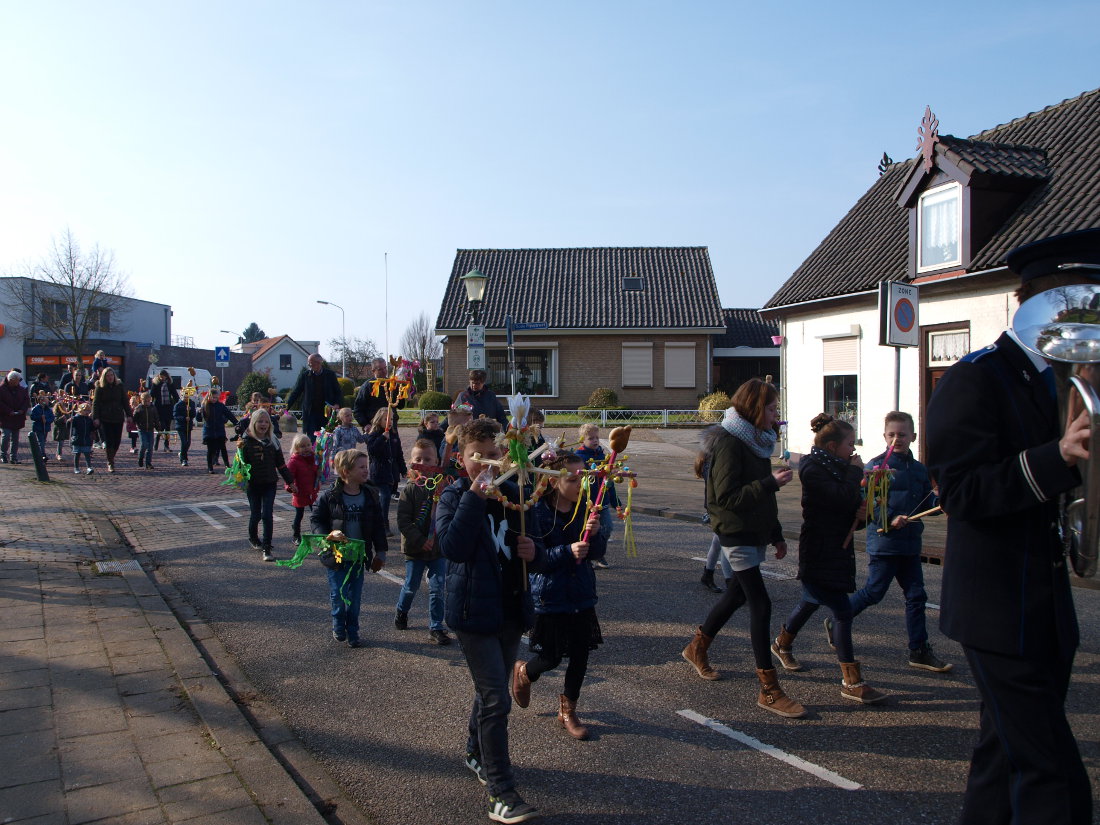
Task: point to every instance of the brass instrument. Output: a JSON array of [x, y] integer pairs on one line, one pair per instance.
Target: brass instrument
[[1063, 326]]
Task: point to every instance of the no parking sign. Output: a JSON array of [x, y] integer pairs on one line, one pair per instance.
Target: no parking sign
[[899, 325]]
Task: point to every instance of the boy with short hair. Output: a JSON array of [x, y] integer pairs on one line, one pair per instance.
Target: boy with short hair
[[488, 606], [895, 553]]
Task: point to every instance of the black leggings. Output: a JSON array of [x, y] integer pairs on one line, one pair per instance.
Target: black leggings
[[298, 513], [838, 602], [214, 446], [574, 671], [746, 586]]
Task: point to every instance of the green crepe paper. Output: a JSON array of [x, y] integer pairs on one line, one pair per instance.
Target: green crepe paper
[[517, 452], [239, 474], [354, 552]]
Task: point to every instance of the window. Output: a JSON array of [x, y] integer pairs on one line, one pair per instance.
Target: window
[[842, 398], [284, 362], [680, 365], [99, 320], [638, 364], [945, 348], [54, 313], [632, 284], [939, 228], [536, 370]]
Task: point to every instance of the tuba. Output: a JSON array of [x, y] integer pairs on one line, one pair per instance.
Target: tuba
[[1062, 325]]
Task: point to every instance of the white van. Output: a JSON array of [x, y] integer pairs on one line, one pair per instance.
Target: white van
[[180, 376]]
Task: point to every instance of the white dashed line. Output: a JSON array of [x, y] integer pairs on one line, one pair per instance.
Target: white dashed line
[[213, 522], [772, 751], [229, 510], [172, 517]]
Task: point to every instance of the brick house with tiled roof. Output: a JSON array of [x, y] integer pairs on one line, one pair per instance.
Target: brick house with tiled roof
[[637, 320], [746, 349], [943, 222]]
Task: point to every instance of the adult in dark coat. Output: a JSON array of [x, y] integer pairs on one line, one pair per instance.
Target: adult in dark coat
[[995, 449], [110, 409], [14, 403], [165, 396], [366, 404], [316, 387], [482, 399]]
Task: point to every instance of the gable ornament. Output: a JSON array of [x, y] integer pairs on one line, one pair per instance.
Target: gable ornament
[[929, 134]]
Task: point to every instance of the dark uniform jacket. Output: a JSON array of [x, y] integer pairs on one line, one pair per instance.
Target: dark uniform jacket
[[992, 436]]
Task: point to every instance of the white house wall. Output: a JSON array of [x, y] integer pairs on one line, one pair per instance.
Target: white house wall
[[270, 360], [988, 310]]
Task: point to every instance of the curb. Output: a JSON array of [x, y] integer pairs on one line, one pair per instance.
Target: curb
[[286, 781]]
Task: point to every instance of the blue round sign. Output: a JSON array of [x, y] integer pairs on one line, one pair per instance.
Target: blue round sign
[[905, 315]]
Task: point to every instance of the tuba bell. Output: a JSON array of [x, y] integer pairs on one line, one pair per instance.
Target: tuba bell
[[1062, 325]]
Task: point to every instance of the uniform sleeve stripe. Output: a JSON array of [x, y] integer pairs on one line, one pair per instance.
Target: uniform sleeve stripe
[[1025, 468]]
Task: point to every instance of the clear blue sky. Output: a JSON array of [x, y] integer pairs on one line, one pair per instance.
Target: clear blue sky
[[244, 159]]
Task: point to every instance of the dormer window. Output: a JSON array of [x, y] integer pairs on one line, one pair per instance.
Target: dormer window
[[939, 228], [632, 284]]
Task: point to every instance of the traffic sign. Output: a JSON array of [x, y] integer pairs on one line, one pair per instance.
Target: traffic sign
[[531, 325], [899, 324], [475, 335], [221, 357], [475, 358]]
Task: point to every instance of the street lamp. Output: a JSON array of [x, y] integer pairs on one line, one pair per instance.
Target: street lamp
[[343, 340], [474, 282]]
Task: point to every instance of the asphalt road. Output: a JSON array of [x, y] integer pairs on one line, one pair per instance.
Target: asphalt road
[[388, 720]]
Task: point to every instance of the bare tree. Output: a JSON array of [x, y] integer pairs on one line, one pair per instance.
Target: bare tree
[[357, 353], [419, 342], [70, 296]]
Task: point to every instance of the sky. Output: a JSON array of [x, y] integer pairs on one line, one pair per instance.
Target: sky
[[246, 159]]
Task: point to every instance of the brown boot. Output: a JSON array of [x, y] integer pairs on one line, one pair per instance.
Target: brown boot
[[854, 688], [774, 699], [781, 649], [521, 685], [696, 655], [567, 715]]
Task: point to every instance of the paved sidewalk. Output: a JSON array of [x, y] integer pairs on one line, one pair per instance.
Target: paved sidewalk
[[108, 713]]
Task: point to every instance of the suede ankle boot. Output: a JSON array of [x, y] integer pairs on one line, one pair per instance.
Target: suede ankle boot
[[781, 649], [853, 687], [696, 655], [567, 715], [774, 699]]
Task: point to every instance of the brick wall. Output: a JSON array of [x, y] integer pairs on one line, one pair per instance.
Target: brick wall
[[586, 362], [137, 363]]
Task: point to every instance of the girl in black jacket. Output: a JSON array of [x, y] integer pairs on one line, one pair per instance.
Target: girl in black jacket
[[831, 507], [264, 456]]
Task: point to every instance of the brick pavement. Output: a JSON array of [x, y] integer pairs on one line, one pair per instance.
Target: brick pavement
[[108, 713]]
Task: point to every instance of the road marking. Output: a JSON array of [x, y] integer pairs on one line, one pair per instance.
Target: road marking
[[390, 577], [171, 516], [284, 503], [228, 509], [932, 605], [772, 751], [194, 508]]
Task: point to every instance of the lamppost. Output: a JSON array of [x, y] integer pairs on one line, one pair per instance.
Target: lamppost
[[343, 340], [474, 282]]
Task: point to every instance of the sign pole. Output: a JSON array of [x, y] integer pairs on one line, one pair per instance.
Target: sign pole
[[511, 351]]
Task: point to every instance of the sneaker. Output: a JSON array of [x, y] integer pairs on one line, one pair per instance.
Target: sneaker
[[337, 638], [829, 633], [354, 643], [133, 449], [439, 637], [297, 539], [89, 471], [76, 470], [254, 544], [110, 467], [510, 808], [401, 620], [268, 556], [603, 565], [925, 659], [473, 762]]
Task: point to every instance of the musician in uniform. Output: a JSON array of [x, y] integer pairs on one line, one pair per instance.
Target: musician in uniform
[[1002, 456]]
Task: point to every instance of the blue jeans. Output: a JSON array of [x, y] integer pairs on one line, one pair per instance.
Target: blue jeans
[[185, 442], [384, 493], [414, 572], [9, 443], [813, 596], [881, 570], [146, 454], [345, 617], [490, 659], [261, 498]]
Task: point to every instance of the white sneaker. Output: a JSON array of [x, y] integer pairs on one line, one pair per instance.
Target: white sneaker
[[76, 470], [89, 471]]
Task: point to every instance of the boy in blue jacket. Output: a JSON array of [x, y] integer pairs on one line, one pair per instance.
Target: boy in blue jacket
[[895, 554], [488, 606]]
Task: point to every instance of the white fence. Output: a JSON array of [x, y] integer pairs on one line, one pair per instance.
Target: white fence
[[605, 418]]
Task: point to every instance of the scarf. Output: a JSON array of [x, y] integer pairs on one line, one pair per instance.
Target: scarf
[[836, 467], [760, 442]]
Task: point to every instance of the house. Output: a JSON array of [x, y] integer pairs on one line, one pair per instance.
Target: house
[[637, 320], [749, 348], [121, 327], [942, 222], [282, 357]]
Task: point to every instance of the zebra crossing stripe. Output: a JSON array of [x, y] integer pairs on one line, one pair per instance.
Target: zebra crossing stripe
[[772, 751], [229, 510], [213, 522]]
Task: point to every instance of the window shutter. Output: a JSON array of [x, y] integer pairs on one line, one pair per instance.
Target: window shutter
[[637, 365], [680, 365], [841, 356]]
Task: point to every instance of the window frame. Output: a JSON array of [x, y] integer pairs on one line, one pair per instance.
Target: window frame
[[552, 367], [939, 191]]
